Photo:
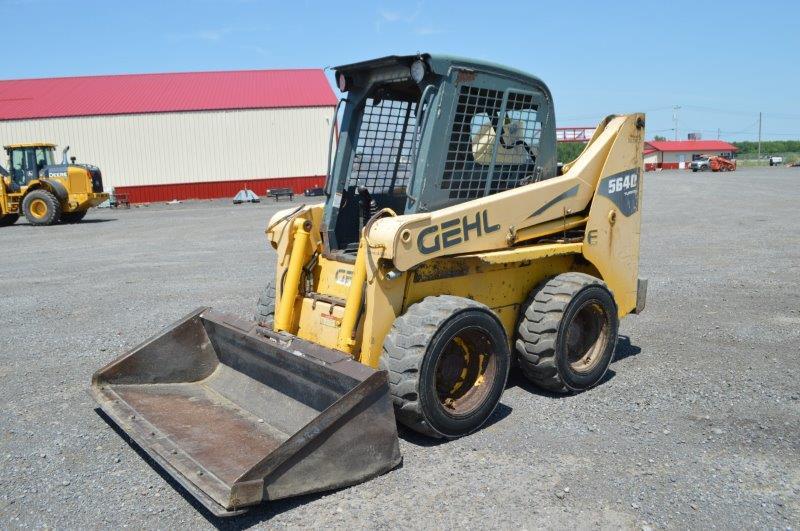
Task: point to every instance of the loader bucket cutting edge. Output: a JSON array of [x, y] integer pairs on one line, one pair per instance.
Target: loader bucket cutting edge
[[238, 417]]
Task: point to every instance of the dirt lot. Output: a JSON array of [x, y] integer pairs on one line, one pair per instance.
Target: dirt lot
[[698, 424]]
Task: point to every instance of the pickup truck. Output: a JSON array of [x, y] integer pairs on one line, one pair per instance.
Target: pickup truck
[[775, 161], [713, 163]]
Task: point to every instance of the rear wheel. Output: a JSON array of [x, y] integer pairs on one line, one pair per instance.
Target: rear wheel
[[448, 362], [73, 217], [41, 208], [8, 219], [567, 333]]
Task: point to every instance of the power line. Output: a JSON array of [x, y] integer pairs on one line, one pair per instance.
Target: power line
[[743, 113]]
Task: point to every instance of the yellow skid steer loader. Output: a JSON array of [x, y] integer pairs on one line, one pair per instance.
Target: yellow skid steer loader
[[448, 247]]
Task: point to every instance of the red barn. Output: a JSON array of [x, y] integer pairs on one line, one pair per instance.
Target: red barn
[[190, 135], [673, 155]]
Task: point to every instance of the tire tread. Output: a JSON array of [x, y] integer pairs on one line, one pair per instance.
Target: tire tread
[[404, 349], [538, 327]]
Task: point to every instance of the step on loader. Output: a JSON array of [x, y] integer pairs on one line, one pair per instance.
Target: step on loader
[[447, 247]]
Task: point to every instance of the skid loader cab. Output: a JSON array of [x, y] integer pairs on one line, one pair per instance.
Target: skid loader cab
[[423, 132]]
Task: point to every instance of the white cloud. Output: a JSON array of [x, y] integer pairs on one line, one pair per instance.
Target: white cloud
[[214, 34], [392, 16], [427, 30]]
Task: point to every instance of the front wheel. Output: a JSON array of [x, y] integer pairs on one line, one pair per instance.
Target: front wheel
[[448, 363], [41, 208], [265, 307], [567, 333]]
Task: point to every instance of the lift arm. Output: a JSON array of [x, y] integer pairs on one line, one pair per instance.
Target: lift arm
[[504, 219]]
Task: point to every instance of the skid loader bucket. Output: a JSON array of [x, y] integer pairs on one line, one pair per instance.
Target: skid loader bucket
[[237, 417]]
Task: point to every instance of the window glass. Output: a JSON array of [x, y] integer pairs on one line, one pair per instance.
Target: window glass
[[480, 134], [483, 137], [382, 161], [16, 159], [44, 157]]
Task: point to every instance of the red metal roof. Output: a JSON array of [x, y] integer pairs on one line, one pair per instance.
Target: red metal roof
[[690, 145], [149, 93]]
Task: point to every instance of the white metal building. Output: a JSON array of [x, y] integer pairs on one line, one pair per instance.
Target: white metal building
[[190, 135]]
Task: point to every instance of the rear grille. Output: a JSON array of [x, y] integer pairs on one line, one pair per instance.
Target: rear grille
[[97, 181]]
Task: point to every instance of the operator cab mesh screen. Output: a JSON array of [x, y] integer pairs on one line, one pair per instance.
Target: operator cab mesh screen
[[382, 162], [479, 160]]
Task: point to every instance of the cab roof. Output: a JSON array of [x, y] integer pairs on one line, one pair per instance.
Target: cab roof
[[30, 145], [440, 64]]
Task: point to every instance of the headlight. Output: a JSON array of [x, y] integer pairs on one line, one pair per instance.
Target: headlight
[[417, 70], [342, 81]]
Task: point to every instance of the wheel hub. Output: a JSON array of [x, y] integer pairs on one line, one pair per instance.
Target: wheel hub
[[464, 366], [587, 337], [38, 208]]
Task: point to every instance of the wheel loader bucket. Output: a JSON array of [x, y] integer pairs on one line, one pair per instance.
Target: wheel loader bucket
[[239, 416]]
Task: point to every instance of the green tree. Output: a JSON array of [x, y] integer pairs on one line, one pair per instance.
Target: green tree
[[569, 151], [659, 138], [768, 146]]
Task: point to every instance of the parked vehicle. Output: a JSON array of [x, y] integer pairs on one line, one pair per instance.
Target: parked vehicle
[[45, 192], [406, 297], [775, 161], [314, 192], [713, 163]]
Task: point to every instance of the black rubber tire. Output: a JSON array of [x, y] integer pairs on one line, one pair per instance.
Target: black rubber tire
[[53, 214], [8, 220], [544, 320], [704, 168], [265, 307], [73, 217], [410, 354]]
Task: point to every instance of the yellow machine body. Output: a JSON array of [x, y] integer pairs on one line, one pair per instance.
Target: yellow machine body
[[76, 187], [520, 245]]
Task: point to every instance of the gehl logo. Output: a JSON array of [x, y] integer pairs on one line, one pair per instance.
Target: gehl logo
[[454, 231]]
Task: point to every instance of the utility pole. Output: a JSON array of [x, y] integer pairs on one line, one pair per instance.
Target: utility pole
[[717, 133], [675, 119], [759, 136]]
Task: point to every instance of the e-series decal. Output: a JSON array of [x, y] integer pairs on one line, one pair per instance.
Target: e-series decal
[[623, 190], [454, 231]]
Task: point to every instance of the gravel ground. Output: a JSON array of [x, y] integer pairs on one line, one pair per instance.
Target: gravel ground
[[697, 425]]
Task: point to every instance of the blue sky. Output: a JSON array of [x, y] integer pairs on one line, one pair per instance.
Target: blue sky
[[722, 62]]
